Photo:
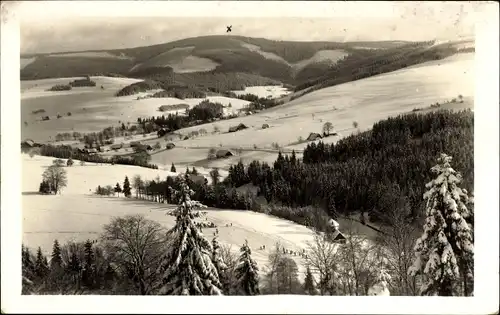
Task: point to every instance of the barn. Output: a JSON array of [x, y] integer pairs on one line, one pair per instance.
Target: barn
[[237, 128], [27, 145], [161, 133], [116, 146], [338, 237], [224, 154], [313, 136]]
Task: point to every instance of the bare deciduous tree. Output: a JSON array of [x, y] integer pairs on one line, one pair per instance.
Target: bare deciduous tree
[[56, 177], [327, 127], [230, 259], [398, 239], [322, 258], [137, 184], [360, 260], [135, 244]]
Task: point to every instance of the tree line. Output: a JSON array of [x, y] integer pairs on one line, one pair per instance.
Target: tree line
[[354, 67], [140, 158], [135, 256], [369, 171]]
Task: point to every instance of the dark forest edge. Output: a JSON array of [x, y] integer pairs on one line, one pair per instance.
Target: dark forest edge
[[239, 67], [109, 265], [361, 173]]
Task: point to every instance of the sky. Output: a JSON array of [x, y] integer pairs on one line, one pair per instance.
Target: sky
[[57, 26]]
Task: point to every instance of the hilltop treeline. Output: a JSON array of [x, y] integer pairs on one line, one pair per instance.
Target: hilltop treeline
[[256, 103], [355, 67], [138, 87], [370, 171], [204, 112], [65, 152], [192, 85]]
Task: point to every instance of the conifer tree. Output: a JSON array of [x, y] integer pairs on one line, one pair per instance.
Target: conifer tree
[[220, 265], [126, 187], [41, 265], [88, 266], [74, 268], [187, 267], [247, 272], [28, 265], [118, 189], [309, 286], [444, 253], [173, 169], [56, 258]]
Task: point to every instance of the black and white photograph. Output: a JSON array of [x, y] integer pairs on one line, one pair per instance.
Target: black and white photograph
[[250, 148]]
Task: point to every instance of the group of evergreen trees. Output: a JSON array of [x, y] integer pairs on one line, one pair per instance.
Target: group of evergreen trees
[[66, 152], [109, 190], [215, 195], [190, 265], [72, 269], [370, 171]]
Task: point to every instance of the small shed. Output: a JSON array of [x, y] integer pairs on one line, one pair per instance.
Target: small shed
[[237, 128], [116, 146], [313, 136], [338, 237], [265, 126], [160, 133], [27, 144], [224, 154], [135, 144], [170, 145]]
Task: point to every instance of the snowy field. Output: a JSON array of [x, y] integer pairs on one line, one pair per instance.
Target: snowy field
[[271, 91], [77, 215], [92, 108], [180, 60], [365, 101]]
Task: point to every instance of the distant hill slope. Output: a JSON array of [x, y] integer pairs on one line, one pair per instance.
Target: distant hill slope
[[305, 65]]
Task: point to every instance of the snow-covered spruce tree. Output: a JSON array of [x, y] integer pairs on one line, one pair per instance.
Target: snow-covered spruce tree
[[220, 265], [444, 253], [187, 267], [247, 276]]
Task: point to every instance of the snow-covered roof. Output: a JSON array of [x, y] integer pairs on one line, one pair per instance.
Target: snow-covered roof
[[334, 224]]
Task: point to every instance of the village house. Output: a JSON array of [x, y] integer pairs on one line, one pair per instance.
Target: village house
[[116, 146], [313, 136], [29, 144], [223, 153], [237, 128]]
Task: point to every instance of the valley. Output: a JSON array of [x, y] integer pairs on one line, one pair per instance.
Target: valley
[[254, 112]]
